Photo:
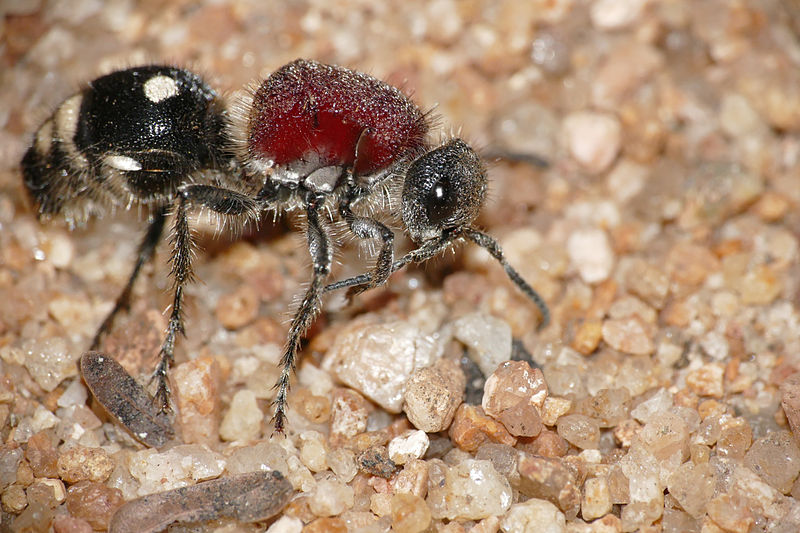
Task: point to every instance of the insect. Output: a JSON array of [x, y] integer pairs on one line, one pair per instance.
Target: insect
[[150, 136], [328, 140], [324, 140]]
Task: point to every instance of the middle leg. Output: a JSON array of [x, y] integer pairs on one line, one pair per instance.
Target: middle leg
[[320, 248], [221, 201]]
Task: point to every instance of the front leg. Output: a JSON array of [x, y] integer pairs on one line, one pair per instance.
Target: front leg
[[425, 251], [367, 228], [221, 201], [320, 248]]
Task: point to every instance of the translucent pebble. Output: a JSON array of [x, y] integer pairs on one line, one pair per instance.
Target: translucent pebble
[[593, 139], [378, 359], [243, 419], [579, 430], [9, 460], [196, 391], [74, 394], [514, 394], [433, 394], [608, 407], [643, 473], [629, 335], [776, 459], [470, 491], [79, 463], [665, 436], [409, 513], [693, 486], [331, 498], [177, 467], [488, 339], [343, 463], [408, 446], [286, 524], [591, 254], [534, 515], [260, 456], [50, 361], [94, 502], [596, 500], [503, 457], [638, 515], [312, 451], [551, 480]]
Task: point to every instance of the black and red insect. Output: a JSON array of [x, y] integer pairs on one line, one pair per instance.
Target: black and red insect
[[324, 140]]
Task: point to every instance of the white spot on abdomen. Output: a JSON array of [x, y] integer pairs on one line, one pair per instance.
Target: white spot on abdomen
[[44, 138], [122, 162], [65, 121], [160, 88]]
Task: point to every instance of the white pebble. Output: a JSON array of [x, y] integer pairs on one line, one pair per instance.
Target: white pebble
[[488, 339], [615, 14], [286, 524], [243, 419], [471, 490], [590, 252], [178, 467], [378, 359], [331, 498], [534, 515], [74, 394], [410, 445], [593, 139]]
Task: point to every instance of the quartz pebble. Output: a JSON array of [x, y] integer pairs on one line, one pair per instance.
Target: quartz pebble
[[549, 479], [628, 335], [378, 359], [790, 401], [590, 253], [242, 421], [413, 479], [692, 485], [312, 451], [471, 428], [488, 339], [579, 430], [408, 446], [410, 513], [615, 14], [534, 515], [93, 502], [608, 407], [470, 490], [433, 394], [596, 500], [514, 394], [263, 455], [174, 468], [593, 139], [707, 380], [50, 362], [196, 387], [84, 464], [349, 413], [776, 459], [331, 498], [46, 492], [41, 455]]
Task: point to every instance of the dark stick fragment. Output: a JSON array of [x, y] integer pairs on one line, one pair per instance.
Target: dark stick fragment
[[249, 497], [126, 400]]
